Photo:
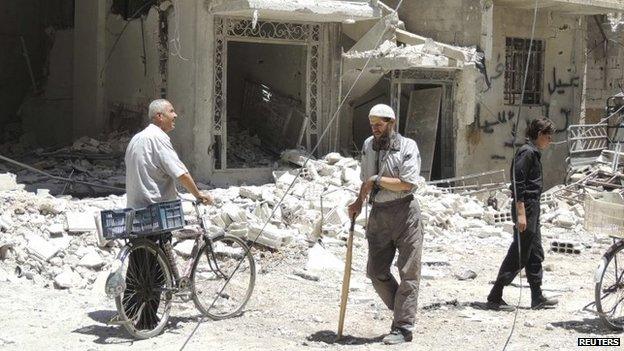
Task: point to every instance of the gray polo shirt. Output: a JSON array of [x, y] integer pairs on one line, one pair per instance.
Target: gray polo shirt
[[152, 167], [403, 162]]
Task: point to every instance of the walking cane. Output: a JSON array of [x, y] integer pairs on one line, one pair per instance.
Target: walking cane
[[346, 279]]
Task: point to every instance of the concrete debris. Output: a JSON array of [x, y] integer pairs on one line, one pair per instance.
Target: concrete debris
[[55, 238], [319, 259], [8, 182], [67, 279], [466, 274], [78, 222]]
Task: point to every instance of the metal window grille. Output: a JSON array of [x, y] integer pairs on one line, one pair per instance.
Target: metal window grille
[[516, 55]]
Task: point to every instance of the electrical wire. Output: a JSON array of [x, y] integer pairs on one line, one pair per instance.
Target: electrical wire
[[513, 171], [303, 166]]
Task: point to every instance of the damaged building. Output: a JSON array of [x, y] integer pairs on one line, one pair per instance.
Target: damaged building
[[252, 78]]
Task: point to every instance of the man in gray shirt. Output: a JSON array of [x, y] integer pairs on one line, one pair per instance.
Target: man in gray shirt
[[390, 170], [153, 166]]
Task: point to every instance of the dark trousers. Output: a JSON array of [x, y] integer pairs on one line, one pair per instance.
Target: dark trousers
[[531, 253], [396, 226]]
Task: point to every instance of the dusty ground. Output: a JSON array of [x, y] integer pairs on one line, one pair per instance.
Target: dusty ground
[[288, 312]]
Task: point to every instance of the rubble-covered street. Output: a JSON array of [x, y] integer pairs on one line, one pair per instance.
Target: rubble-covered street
[[54, 267]]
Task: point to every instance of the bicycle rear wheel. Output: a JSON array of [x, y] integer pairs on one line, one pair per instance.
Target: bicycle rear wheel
[[610, 287], [223, 277], [146, 302]]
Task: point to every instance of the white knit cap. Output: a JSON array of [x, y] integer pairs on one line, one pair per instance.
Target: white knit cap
[[382, 110]]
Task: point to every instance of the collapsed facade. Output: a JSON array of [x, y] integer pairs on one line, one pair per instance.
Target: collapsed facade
[[252, 78]]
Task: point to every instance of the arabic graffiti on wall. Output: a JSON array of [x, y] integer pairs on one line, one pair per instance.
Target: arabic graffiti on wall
[[559, 86]]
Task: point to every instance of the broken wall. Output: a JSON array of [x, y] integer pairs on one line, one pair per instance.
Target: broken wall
[[605, 67], [456, 22], [488, 136]]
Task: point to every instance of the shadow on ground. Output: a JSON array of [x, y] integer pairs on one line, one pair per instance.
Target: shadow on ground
[[586, 326], [329, 337], [116, 334]]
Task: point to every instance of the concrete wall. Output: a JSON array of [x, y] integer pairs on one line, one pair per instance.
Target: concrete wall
[[488, 147], [89, 55], [455, 22], [605, 68]]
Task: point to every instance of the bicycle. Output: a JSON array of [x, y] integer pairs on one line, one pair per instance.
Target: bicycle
[[219, 277], [609, 289]]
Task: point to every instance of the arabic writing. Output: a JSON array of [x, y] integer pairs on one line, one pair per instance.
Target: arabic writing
[[559, 86]]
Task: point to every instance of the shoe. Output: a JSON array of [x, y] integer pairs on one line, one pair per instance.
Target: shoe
[[542, 302], [397, 336], [499, 305]]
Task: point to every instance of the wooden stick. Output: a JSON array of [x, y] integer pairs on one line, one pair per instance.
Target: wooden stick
[[346, 280]]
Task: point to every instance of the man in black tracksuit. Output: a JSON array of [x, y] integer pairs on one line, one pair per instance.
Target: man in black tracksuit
[[526, 187]]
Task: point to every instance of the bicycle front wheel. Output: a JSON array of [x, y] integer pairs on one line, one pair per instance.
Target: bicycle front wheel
[[146, 301], [223, 277], [610, 287]]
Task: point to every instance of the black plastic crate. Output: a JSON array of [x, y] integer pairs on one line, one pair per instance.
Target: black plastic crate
[[167, 216], [155, 219], [115, 223]]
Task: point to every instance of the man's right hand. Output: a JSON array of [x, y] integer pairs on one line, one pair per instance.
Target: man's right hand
[[355, 208], [521, 224], [205, 199]]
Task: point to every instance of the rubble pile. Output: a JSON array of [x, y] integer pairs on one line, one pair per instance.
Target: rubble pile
[[54, 240], [87, 159], [246, 151]]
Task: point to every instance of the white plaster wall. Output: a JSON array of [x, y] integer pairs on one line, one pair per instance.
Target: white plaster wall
[[563, 39], [127, 81]]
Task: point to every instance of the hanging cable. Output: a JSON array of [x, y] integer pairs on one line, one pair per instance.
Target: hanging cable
[[513, 170]]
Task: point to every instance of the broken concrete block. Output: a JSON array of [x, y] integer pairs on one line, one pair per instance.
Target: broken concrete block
[[56, 229], [91, 260], [295, 156], [320, 259], [350, 176], [566, 246], [8, 182], [185, 248], [471, 210], [79, 222], [564, 221], [239, 230], [6, 223], [333, 158], [251, 192], [466, 274], [271, 236], [41, 248], [337, 216], [234, 213], [218, 220], [67, 279], [4, 249]]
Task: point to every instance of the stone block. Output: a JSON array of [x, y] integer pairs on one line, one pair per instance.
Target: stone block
[[42, 248], [79, 222], [8, 182]]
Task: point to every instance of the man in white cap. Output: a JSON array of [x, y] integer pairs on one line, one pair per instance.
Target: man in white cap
[[390, 171]]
